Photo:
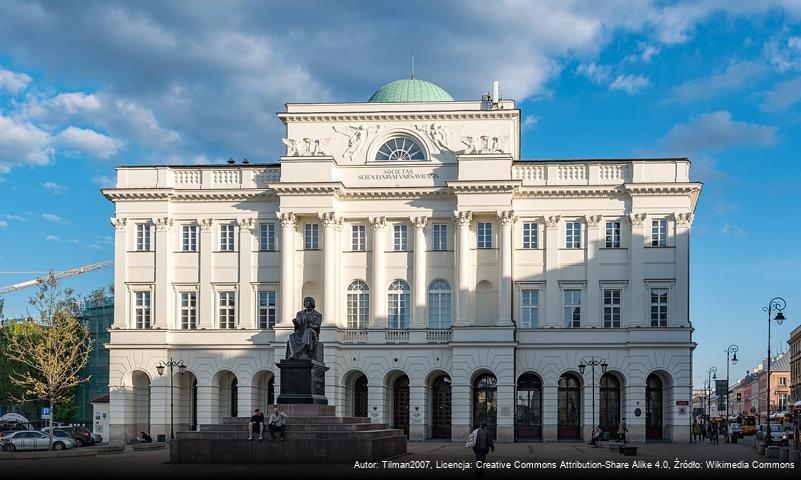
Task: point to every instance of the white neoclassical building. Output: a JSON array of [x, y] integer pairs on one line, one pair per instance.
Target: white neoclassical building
[[457, 282]]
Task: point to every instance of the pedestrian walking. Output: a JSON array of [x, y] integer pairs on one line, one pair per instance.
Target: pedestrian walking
[[725, 430], [696, 431], [702, 434], [713, 432], [276, 422], [256, 423], [622, 429], [483, 446]]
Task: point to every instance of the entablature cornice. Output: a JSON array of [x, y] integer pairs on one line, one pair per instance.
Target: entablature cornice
[[299, 188], [397, 116], [117, 195], [575, 191], [484, 186]]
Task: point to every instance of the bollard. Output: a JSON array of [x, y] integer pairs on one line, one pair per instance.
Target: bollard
[[784, 454]]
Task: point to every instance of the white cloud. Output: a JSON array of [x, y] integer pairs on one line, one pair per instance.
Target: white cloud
[[88, 141], [730, 229], [644, 54], [16, 217], [52, 238], [529, 122], [599, 74], [74, 241], [53, 218], [717, 131], [53, 187], [75, 102], [3, 224], [22, 143], [734, 76], [784, 54], [630, 84], [13, 82], [104, 181], [782, 95]]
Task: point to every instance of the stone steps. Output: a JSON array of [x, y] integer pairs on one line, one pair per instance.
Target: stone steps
[[243, 421], [298, 427], [296, 435]]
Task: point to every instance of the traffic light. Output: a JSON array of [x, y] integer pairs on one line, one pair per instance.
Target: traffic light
[[739, 396]]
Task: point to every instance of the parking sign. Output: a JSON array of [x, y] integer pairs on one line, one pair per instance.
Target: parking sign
[[45, 413]]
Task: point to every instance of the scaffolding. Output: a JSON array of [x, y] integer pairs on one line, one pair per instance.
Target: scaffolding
[[97, 314]]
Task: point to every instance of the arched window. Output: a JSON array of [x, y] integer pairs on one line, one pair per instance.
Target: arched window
[[529, 407], [398, 304], [485, 401], [400, 149], [439, 304], [358, 304], [609, 411]]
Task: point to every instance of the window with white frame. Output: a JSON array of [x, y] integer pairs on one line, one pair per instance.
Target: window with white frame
[[659, 233], [783, 381], [227, 310], [311, 236], [659, 307], [530, 235], [529, 308], [267, 237], [189, 238], [143, 237], [439, 239], [782, 401], [142, 309], [612, 234], [358, 304], [266, 309], [612, 307], [400, 240], [358, 238], [572, 307], [398, 305], [484, 233], [572, 234], [227, 238], [188, 310], [439, 304]]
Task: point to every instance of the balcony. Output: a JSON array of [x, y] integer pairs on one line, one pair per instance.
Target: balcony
[[354, 336], [438, 336], [396, 336]]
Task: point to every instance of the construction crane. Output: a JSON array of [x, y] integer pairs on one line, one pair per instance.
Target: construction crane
[[66, 273]]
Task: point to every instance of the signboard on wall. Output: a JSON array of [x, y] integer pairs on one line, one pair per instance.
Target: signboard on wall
[[721, 387]]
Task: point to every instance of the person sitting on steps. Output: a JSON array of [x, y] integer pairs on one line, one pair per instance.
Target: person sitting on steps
[[256, 423], [276, 421]]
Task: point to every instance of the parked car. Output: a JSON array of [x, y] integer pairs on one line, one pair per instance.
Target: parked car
[[21, 440], [789, 428], [736, 430], [81, 435], [777, 433]]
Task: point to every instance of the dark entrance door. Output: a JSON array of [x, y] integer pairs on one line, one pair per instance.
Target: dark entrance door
[[569, 408], [528, 412], [400, 404], [653, 408], [193, 426], [609, 411], [271, 391], [234, 398], [485, 402], [360, 397], [441, 409]]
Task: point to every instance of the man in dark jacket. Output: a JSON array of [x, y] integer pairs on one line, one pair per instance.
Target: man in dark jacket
[[484, 445]]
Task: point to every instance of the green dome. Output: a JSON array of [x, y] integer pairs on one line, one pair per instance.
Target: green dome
[[410, 90]]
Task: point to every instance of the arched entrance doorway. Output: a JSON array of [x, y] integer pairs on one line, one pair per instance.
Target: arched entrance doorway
[[569, 419], [485, 402], [609, 410], [654, 390], [360, 397], [441, 407], [528, 412], [186, 401], [141, 399], [400, 404], [263, 396], [225, 398]]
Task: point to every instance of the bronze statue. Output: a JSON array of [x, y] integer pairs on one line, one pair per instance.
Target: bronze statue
[[304, 340]]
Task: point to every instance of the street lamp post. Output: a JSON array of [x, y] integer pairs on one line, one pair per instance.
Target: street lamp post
[[733, 349], [711, 374], [592, 363], [778, 304], [181, 369]]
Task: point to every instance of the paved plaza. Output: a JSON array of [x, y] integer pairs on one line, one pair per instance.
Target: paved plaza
[[440, 460]]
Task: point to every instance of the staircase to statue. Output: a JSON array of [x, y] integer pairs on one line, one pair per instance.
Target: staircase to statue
[[314, 435]]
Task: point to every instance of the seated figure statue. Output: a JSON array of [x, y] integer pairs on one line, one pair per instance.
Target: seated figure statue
[[303, 342]]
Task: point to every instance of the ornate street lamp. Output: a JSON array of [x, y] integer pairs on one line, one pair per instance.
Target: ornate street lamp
[[733, 349], [776, 304], [711, 374], [592, 362], [181, 369]]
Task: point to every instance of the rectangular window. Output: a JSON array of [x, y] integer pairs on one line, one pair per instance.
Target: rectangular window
[[226, 238], [659, 307], [188, 310], [311, 237], [227, 309], [573, 235], [189, 238], [400, 238], [783, 381], [142, 309], [530, 304], [659, 233], [612, 234], [529, 235], [267, 310], [612, 310], [440, 236], [484, 235], [267, 237], [143, 237], [572, 308], [358, 237]]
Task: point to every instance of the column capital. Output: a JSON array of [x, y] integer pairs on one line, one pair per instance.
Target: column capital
[[329, 219], [636, 219], [379, 223], [120, 223], [507, 217], [339, 224], [288, 219], [419, 223], [683, 219], [163, 224], [552, 222], [206, 224], [593, 220], [463, 217], [247, 223]]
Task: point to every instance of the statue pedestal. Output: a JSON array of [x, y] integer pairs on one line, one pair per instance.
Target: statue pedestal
[[302, 381]]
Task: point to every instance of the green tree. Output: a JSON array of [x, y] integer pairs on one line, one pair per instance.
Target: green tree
[[49, 360]]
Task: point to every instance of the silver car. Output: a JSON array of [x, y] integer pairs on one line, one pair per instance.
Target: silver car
[[22, 440]]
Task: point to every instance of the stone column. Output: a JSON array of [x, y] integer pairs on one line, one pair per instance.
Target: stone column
[[288, 223], [420, 284], [207, 407], [329, 268], [206, 300], [507, 219], [121, 298], [160, 406], [417, 413], [550, 412], [681, 291], [463, 219], [553, 304], [378, 288], [247, 318], [461, 414], [245, 398], [635, 398], [162, 313], [636, 314], [591, 250], [338, 280]]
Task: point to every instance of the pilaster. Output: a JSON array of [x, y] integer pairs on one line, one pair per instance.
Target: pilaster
[[205, 301], [507, 220], [552, 301], [636, 313], [420, 283], [288, 224], [379, 297], [591, 249], [683, 222], [328, 309], [463, 219], [247, 317], [121, 306]]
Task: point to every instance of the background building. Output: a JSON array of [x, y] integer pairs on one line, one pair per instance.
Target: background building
[[97, 313], [458, 283], [795, 365]]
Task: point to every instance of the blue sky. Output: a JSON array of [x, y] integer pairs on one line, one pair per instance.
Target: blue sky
[[85, 87]]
